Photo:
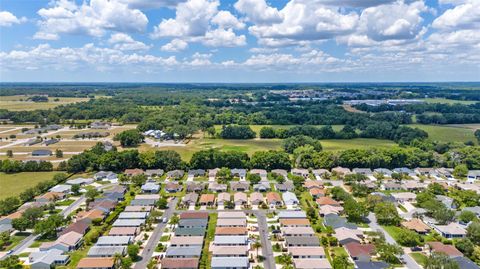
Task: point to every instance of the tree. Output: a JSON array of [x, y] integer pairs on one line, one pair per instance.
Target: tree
[[75, 189], [32, 214], [9, 153], [224, 175], [132, 251], [162, 203], [48, 227], [21, 224], [5, 239], [477, 135], [460, 170], [387, 214], [211, 131], [129, 138], [440, 261], [465, 246], [58, 153], [253, 178], [138, 180], [388, 252], [267, 132], [8, 205], [11, 262], [341, 262], [270, 160], [473, 233], [257, 245], [237, 132], [91, 194], [291, 143], [467, 216], [356, 212], [408, 238]]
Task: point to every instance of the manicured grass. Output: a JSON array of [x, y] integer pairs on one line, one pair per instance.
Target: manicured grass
[[65, 202], [14, 184], [19, 102], [16, 239], [419, 258], [447, 133], [393, 231], [256, 128], [357, 143], [206, 258]]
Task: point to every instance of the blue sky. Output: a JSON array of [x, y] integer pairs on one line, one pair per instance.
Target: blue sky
[[239, 40]]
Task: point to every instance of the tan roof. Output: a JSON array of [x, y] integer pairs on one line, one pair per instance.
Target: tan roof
[[327, 209], [91, 214], [123, 230], [326, 201], [231, 215], [295, 222], [138, 208], [231, 231], [317, 191], [273, 197], [229, 250], [448, 250], [297, 230], [51, 196], [194, 215], [224, 196], [179, 263], [240, 196], [95, 263], [417, 225], [186, 240], [311, 264], [313, 184], [133, 172], [310, 251], [256, 196], [207, 198], [232, 222]]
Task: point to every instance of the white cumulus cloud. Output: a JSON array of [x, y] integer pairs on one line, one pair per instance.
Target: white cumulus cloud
[[8, 19]]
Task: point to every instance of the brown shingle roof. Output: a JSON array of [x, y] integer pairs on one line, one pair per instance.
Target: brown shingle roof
[[95, 263], [92, 214], [417, 225], [179, 263], [273, 197], [194, 215], [80, 227], [207, 198], [327, 201], [448, 250], [356, 249]]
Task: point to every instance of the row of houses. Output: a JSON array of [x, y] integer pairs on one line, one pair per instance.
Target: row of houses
[[186, 245]]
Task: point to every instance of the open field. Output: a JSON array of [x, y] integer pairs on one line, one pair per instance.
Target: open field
[[447, 101], [256, 128], [19, 102], [252, 145], [14, 184], [448, 133]]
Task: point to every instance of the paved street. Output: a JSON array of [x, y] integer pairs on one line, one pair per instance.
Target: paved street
[[155, 237], [267, 251], [410, 263]]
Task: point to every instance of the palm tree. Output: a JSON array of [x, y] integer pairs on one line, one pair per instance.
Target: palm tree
[[256, 246], [152, 264], [117, 260]]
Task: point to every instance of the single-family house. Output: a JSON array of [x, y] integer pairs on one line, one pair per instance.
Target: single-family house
[[403, 170], [465, 263], [81, 226], [190, 199], [285, 186], [474, 209], [138, 208], [150, 187], [261, 172], [311, 184], [360, 252], [262, 186], [80, 181], [452, 230], [207, 199], [473, 175], [371, 265], [212, 173], [301, 241], [231, 231], [196, 173], [256, 198], [291, 214], [336, 221], [133, 215], [290, 199], [413, 185], [240, 198], [192, 223], [239, 186], [176, 263], [173, 187], [47, 259], [231, 223], [195, 186], [231, 215], [449, 250], [105, 175], [66, 242], [133, 172], [447, 201], [300, 172], [124, 231], [154, 172], [230, 263], [317, 192], [175, 174], [49, 197], [114, 240], [106, 251], [128, 223], [346, 235], [61, 188], [326, 201], [294, 223], [307, 252], [297, 231], [197, 231], [280, 172], [183, 241], [391, 186], [383, 171], [216, 187], [223, 198], [273, 199], [341, 171], [363, 171], [236, 240], [229, 251], [311, 264], [96, 263], [416, 225], [445, 172], [321, 174], [240, 173], [402, 197]]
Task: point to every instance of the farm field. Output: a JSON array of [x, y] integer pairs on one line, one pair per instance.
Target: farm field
[[19, 103], [14, 184], [448, 133]]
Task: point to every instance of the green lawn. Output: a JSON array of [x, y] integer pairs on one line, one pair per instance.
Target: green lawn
[[16, 239], [206, 254], [448, 133], [19, 102], [419, 258], [393, 231], [357, 143], [256, 128], [14, 184]]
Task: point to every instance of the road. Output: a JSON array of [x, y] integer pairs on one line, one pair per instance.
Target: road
[[267, 252], [409, 261], [155, 237]]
